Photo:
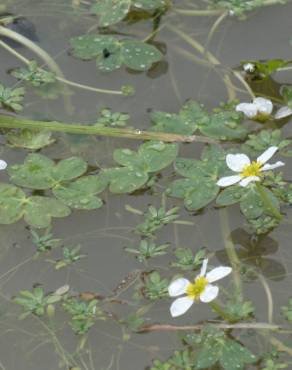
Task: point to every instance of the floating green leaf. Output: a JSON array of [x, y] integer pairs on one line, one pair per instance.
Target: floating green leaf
[[111, 53], [40, 172], [151, 157], [199, 188], [111, 11], [34, 75], [11, 98], [149, 4], [12, 203], [230, 195], [81, 194], [29, 139]]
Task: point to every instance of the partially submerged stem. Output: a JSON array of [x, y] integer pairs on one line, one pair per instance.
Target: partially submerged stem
[[42, 54], [244, 83], [60, 78], [244, 326], [220, 311], [231, 253], [199, 12], [213, 29], [267, 202], [73, 128]]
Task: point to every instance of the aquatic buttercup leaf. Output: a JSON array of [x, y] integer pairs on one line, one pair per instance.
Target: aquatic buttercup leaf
[[138, 55], [90, 46], [200, 195], [29, 139], [40, 210], [40, 172], [158, 154], [12, 203], [230, 195], [81, 194], [111, 11], [34, 173], [125, 179]]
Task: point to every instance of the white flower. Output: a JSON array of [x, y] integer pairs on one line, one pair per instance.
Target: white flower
[[283, 112], [249, 67], [3, 164], [248, 171], [201, 289], [259, 109]]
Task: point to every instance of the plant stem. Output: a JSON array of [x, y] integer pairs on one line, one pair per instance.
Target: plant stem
[[247, 326], [231, 253], [199, 12], [73, 128], [60, 78], [215, 307], [267, 202], [41, 54]]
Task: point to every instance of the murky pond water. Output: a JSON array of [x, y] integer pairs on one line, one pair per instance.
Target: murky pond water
[[47, 341]]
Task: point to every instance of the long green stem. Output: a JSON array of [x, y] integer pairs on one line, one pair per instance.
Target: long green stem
[[42, 54], [215, 307], [73, 128], [231, 253], [198, 12], [60, 78], [267, 202]]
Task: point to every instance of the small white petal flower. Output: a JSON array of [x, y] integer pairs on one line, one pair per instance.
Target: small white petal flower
[[246, 170], [249, 67], [3, 164], [201, 289], [283, 112], [259, 109]]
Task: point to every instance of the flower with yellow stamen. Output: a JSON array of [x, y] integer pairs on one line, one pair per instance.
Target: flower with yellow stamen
[[246, 170], [201, 289]]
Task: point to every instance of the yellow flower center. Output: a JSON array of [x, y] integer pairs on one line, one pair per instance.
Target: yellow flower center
[[195, 290], [253, 169]]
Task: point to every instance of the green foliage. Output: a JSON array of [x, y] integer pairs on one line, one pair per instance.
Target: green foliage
[[11, 99], [238, 7], [258, 143], [35, 301], [44, 243], [264, 69], [29, 139], [239, 310], [187, 261], [81, 194], [154, 286], [113, 11], [151, 157], [271, 365], [70, 256], [109, 119], [199, 187], [148, 249], [34, 75], [40, 172], [286, 92], [83, 314], [287, 310], [36, 210], [155, 219], [223, 124], [111, 53]]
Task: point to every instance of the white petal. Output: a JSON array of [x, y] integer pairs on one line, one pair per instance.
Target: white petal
[[3, 164], [218, 273], [236, 162], [178, 287], [268, 166], [249, 67], [249, 109], [244, 182], [263, 105], [267, 154], [283, 112], [228, 180], [209, 294], [204, 267], [180, 306]]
